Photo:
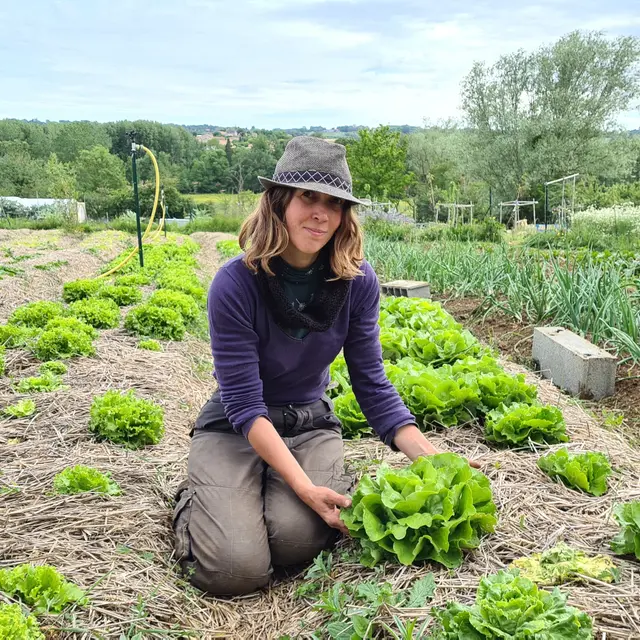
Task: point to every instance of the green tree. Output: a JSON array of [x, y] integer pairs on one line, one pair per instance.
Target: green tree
[[70, 138], [543, 115], [60, 179], [378, 163], [210, 172], [20, 174], [98, 171]]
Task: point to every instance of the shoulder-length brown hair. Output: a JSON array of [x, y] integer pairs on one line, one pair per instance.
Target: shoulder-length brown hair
[[264, 236]]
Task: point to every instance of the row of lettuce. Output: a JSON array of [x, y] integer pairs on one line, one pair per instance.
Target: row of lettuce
[[161, 301]]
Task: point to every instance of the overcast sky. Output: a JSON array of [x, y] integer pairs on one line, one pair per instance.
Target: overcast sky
[[270, 63]]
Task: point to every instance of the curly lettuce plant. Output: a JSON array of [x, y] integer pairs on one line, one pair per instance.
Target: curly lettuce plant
[[133, 280], [36, 314], [434, 509], [62, 342], [509, 606], [184, 304], [585, 471], [100, 313], [627, 541], [72, 324], [228, 248], [182, 279], [122, 295], [155, 322], [124, 419], [40, 384], [54, 367], [82, 479], [40, 587], [149, 345], [15, 625], [79, 289], [520, 423], [21, 409], [14, 336]]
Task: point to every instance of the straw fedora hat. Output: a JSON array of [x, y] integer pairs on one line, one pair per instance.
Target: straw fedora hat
[[313, 164]]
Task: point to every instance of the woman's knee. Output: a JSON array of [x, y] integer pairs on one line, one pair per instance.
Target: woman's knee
[[219, 553], [299, 538], [220, 583]]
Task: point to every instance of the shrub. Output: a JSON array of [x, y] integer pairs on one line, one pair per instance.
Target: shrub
[[133, 280], [510, 606], [61, 343], [14, 625], [97, 312], [124, 419], [14, 337], [122, 295], [627, 541], [430, 510], [184, 304], [54, 367], [156, 322], [40, 384], [586, 471], [518, 423], [42, 588], [72, 324], [36, 314], [150, 345], [21, 409], [81, 479], [80, 289]]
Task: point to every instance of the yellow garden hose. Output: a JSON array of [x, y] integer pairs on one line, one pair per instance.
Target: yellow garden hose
[[153, 213]]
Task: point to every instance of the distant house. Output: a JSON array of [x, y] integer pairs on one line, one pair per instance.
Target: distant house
[[205, 137]]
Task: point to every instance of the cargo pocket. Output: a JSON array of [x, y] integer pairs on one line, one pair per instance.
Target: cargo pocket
[[181, 514]]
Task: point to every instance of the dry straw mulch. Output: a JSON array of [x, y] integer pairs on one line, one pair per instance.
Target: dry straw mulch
[[120, 549]]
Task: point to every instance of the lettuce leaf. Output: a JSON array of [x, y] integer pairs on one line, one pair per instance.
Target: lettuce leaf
[[562, 563], [510, 606], [519, 423], [347, 410], [433, 509], [14, 624], [40, 587], [627, 541], [585, 471]]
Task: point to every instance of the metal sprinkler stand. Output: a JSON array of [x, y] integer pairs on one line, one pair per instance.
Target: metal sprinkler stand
[[136, 197]]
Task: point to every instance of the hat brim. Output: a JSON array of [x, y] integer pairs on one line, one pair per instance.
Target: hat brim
[[312, 186]]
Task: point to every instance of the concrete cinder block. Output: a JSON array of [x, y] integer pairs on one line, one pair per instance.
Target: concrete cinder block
[[406, 288], [573, 363]]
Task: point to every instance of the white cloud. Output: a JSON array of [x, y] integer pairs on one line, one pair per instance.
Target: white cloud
[[270, 62]]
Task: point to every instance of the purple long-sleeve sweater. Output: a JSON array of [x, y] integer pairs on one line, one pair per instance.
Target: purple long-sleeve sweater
[[258, 364]]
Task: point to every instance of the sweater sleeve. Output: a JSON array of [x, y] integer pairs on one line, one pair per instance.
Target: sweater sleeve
[[380, 402], [234, 346]]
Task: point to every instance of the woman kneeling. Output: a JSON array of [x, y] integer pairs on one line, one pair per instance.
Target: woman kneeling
[[266, 478]]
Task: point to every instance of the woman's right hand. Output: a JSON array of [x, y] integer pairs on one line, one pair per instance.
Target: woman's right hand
[[326, 503]]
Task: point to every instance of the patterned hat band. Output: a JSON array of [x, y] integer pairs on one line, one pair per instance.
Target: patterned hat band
[[319, 177]]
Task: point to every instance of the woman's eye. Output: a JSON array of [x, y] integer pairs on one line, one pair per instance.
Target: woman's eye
[[307, 194]]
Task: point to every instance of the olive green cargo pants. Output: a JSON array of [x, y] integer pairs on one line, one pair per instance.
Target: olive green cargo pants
[[235, 518]]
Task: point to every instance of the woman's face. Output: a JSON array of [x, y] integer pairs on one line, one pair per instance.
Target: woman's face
[[311, 220]]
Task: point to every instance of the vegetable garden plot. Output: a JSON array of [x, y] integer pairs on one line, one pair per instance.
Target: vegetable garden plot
[[119, 549]]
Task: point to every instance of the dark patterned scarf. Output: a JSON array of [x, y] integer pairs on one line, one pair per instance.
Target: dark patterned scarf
[[319, 314]]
